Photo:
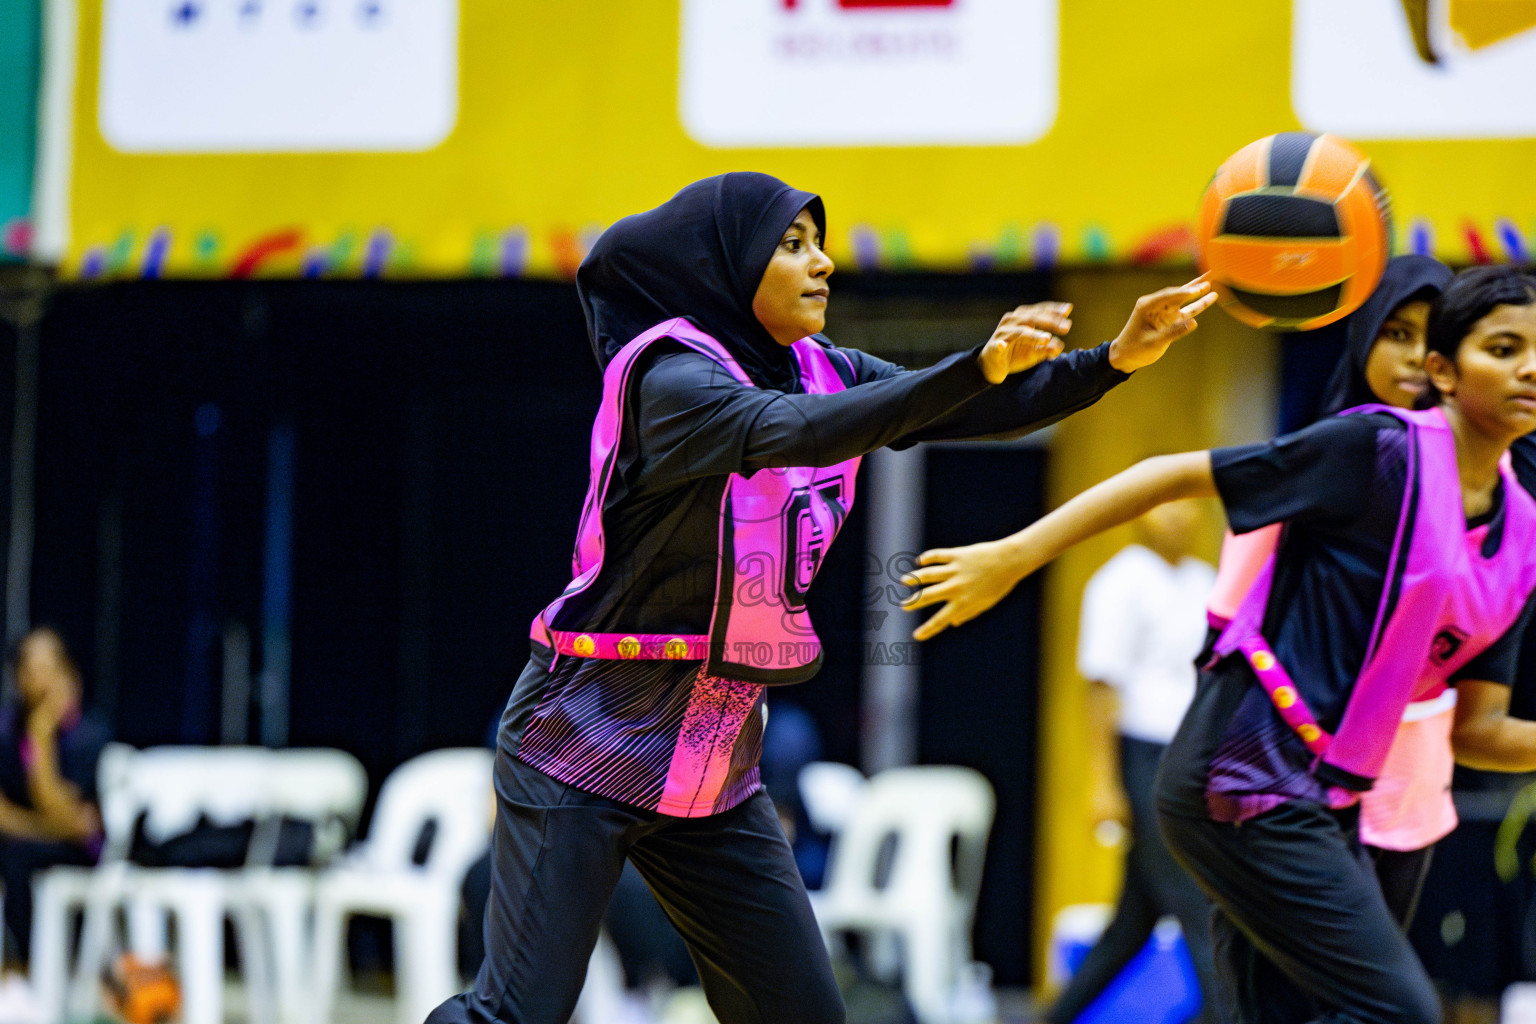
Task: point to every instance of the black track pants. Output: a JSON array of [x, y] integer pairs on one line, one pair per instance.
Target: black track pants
[[1302, 932], [728, 883]]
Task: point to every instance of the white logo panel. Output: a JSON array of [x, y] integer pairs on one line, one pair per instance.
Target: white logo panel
[[278, 75], [1363, 69], [868, 72]]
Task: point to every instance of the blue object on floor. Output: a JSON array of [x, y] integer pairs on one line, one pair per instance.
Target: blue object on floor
[[1158, 986]]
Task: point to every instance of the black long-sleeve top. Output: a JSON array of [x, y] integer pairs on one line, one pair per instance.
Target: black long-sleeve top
[[663, 735], [690, 425]]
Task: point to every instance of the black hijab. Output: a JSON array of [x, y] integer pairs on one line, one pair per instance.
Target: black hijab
[[701, 254], [1404, 278]]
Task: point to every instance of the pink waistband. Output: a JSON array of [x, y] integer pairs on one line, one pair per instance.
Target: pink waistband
[[624, 646]]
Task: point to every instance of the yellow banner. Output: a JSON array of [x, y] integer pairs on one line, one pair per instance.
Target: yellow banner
[[346, 138]]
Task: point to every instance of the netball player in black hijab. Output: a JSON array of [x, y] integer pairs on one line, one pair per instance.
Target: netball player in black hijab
[[1383, 358], [700, 255], [634, 731]]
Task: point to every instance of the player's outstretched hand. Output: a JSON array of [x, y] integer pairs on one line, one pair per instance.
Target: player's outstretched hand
[[1025, 336], [1159, 320], [967, 580]]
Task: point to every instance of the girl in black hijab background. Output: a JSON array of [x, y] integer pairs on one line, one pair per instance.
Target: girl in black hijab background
[[723, 461], [1383, 358]]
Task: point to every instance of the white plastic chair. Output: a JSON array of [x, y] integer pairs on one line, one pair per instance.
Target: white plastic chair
[[1518, 1004], [940, 817], [380, 878], [830, 791], [325, 788], [170, 788]]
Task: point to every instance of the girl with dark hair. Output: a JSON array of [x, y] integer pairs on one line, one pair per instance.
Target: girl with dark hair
[[49, 746], [1408, 562], [1383, 360], [1409, 808], [722, 465]]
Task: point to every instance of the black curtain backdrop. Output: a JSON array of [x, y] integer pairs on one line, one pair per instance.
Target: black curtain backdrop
[[980, 686], [440, 442]]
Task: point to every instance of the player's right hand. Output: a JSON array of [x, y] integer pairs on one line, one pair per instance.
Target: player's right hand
[[1025, 336]]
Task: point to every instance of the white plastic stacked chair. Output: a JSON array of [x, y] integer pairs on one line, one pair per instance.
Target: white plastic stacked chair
[[452, 789], [940, 817], [170, 789], [325, 788]]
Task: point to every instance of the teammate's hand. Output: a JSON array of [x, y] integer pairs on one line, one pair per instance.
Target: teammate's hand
[[967, 580], [1025, 336], [1158, 321]]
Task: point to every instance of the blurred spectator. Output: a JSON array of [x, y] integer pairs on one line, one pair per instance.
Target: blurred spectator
[[1142, 625], [49, 746], [791, 741]]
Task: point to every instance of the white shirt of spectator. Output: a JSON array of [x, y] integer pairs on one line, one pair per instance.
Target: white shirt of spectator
[[1143, 623]]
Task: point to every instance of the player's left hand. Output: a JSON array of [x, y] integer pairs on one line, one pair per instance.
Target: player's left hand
[[1158, 321]]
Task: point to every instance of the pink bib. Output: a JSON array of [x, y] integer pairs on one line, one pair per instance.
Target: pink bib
[[775, 529]]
